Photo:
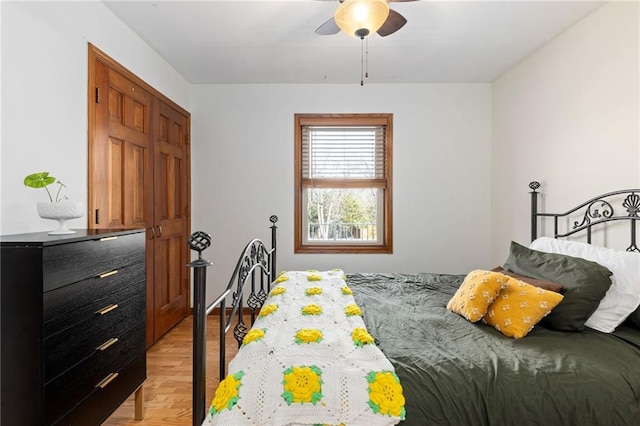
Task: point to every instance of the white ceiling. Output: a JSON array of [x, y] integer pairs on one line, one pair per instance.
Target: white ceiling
[[273, 41]]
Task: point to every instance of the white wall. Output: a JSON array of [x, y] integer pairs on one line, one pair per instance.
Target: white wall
[[567, 116], [44, 97], [441, 173], [564, 115], [242, 140]]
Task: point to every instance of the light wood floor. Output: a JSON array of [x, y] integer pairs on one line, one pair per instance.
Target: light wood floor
[[167, 390]]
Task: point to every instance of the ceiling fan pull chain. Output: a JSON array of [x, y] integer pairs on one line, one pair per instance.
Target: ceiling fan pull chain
[[361, 61], [366, 59]]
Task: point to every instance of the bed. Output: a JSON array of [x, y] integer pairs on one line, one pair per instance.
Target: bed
[[577, 364]]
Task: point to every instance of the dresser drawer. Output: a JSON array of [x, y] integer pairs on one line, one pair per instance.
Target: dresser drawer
[[65, 349], [66, 391], [68, 305], [69, 263], [102, 402]]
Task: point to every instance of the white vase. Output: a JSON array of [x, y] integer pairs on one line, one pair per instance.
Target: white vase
[[61, 211]]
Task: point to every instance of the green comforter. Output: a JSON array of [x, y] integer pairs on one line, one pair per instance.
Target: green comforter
[[454, 372]]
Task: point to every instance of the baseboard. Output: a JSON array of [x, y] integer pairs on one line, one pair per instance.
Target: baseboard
[[216, 311]]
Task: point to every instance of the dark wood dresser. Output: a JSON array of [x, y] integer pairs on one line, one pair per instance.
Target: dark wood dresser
[[72, 326]]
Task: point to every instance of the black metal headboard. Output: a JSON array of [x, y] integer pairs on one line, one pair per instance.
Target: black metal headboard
[[604, 208]]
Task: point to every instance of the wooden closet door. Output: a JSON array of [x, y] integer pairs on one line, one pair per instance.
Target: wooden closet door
[[171, 216], [120, 153], [139, 177]]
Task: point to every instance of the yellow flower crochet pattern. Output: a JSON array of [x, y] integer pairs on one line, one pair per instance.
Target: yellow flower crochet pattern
[[268, 310], [227, 393], [385, 394], [253, 336], [312, 291], [311, 310], [361, 337], [314, 277], [302, 384], [278, 290], [352, 310], [308, 335], [346, 290], [281, 279]]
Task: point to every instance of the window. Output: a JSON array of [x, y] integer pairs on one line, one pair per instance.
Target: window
[[343, 183]]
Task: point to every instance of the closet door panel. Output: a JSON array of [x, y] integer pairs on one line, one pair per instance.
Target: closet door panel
[[171, 295], [171, 202], [120, 154]]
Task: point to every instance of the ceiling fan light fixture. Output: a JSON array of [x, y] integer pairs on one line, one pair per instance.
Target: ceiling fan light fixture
[[358, 18]]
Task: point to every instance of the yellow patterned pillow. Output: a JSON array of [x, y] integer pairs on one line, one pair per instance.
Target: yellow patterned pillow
[[475, 294], [519, 307]]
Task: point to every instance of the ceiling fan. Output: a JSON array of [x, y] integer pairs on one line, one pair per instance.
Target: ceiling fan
[[358, 18]]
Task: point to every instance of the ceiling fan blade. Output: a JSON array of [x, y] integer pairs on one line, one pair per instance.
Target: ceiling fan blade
[[394, 22], [328, 28]]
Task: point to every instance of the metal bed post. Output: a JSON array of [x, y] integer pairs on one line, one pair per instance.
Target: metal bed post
[[199, 241], [273, 271], [253, 291], [534, 209], [223, 338]]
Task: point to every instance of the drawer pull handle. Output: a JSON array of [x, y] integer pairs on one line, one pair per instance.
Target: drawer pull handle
[[107, 309], [107, 344], [105, 382], [108, 238], [108, 274]]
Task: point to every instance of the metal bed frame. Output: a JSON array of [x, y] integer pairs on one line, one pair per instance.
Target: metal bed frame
[[257, 268], [257, 265]]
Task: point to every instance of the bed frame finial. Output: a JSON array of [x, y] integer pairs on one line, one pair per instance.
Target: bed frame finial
[[199, 241], [534, 185]]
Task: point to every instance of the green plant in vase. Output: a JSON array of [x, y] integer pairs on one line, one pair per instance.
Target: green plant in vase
[[42, 180], [59, 208]]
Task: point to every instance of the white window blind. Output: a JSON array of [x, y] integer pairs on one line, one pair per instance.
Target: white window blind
[[343, 152]]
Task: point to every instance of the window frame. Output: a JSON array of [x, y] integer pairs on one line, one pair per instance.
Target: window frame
[[383, 119]]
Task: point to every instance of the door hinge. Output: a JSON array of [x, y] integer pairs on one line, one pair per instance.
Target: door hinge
[[97, 95], [97, 216]]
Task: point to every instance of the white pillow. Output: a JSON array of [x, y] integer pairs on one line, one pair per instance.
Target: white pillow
[[623, 297]]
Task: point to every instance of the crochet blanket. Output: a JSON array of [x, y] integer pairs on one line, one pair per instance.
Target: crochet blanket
[[309, 360]]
